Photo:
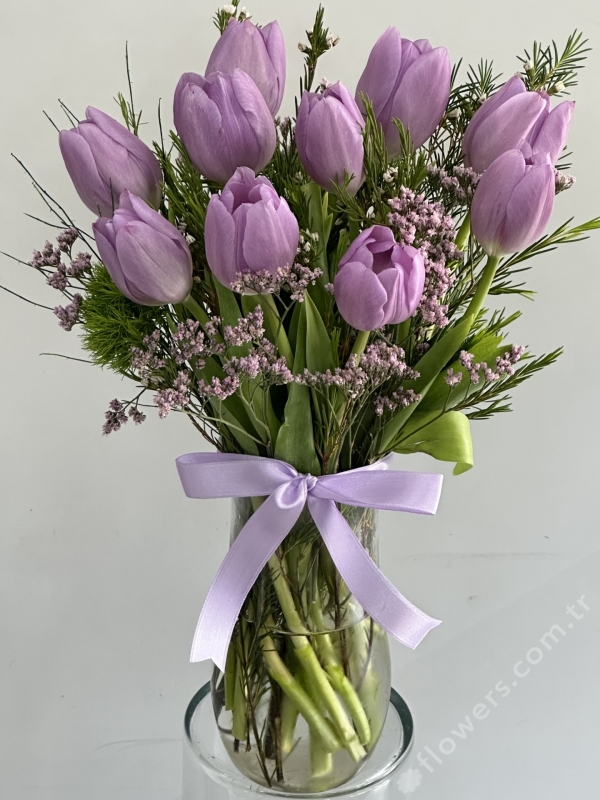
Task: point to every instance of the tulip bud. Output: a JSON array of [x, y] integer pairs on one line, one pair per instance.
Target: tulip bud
[[249, 228], [512, 203], [329, 138], [147, 257], [515, 118], [224, 123], [259, 52], [409, 81], [378, 282], [103, 159]]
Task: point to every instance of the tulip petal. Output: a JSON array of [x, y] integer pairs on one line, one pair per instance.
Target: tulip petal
[[394, 309], [156, 270], [552, 135], [201, 131], [491, 198], [132, 143], [257, 119], [505, 129], [108, 254], [423, 95], [334, 146], [152, 218], [265, 244], [380, 78], [186, 78], [243, 46], [83, 171], [275, 44], [220, 241], [511, 88], [529, 208], [360, 297]]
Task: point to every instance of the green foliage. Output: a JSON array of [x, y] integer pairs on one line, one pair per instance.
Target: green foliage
[[319, 42], [222, 17], [132, 120], [112, 325], [554, 70], [295, 441], [494, 398]]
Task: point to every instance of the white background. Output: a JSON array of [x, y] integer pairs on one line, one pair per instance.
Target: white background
[[103, 562]]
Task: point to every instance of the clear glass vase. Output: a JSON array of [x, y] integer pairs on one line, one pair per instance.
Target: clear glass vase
[[306, 689]]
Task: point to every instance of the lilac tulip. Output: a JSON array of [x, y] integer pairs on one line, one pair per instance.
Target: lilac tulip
[[259, 52], [103, 159], [515, 118], [378, 282], [329, 138], [512, 203], [147, 257], [409, 81], [224, 123], [249, 228]]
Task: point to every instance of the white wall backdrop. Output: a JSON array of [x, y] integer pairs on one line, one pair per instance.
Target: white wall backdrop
[[103, 562]]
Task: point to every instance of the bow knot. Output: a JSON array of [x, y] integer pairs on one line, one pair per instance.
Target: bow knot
[[311, 482], [205, 475]]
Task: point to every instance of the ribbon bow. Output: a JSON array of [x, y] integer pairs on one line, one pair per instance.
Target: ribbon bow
[[212, 475]]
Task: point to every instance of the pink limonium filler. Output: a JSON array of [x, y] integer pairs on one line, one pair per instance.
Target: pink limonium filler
[[512, 203], [259, 52], [147, 257], [515, 118], [249, 228], [378, 282], [329, 138], [224, 123], [103, 159], [409, 81]]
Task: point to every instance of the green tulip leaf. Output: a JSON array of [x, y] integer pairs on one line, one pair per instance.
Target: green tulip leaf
[[319, 355], [295, 440], [446, 437], [429, 367]]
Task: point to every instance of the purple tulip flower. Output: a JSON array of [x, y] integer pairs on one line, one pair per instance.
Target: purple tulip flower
[[147, 257], [378, 282], [409, 81], [259, 52], [512, 203], [224, 123], [103, 159], [515, 118], [249, 228], [329, 138]]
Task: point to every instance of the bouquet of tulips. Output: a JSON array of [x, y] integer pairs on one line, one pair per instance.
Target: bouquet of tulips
[[313, 289]]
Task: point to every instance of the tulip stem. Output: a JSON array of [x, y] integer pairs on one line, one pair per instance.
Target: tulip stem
[[196, 310], [360, 343], [462, 237], [483, 286], [281, 340]]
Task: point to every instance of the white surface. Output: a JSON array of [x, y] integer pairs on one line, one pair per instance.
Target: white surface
[[104, 564]]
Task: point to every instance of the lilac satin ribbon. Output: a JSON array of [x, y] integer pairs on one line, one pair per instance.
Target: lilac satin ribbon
[[211, 475]]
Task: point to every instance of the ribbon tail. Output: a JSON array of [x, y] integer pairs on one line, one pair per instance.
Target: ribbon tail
[[379, 598], [253, 547]]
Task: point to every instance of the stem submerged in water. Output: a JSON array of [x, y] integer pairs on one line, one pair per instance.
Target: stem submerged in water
[[299, 652]]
